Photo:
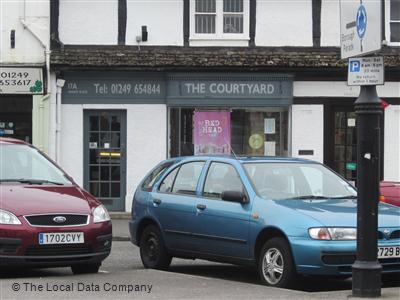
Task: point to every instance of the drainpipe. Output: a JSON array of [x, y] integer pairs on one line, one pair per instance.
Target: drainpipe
[[46, 45], [60, 84]]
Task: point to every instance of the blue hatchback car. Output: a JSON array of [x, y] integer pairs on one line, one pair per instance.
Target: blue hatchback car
[[284, 216]]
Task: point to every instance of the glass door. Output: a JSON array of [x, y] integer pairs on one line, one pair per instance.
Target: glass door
[[105, 157], [345, 144]]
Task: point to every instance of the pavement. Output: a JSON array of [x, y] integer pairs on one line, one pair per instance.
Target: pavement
[[120, 223]]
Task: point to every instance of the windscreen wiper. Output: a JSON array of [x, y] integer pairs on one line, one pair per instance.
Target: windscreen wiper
[[306, 197], [345, 197], [31, 181]]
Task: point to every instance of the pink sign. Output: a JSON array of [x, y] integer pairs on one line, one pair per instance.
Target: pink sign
[[212, 132]]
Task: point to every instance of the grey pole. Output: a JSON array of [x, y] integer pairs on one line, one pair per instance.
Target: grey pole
[[366, 268]]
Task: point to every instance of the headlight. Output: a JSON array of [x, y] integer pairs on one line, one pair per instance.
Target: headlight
[[8, 218], [333, 233], [100, 214]]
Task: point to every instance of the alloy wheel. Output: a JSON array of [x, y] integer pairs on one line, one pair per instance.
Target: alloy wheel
[[273, 266]]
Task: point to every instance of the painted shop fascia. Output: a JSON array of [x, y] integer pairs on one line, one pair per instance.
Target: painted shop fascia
[[179, 89]]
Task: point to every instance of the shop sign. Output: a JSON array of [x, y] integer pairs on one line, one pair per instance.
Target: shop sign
[[178, 89], [21, 80], [122, 89], [212, 132], [242, 89]]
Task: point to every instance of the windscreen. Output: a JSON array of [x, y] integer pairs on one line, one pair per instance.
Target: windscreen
[[22, 162], [276, 180]]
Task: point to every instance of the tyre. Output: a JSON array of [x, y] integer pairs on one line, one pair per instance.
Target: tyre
[[85, 269], [275, 264], [152, 249]]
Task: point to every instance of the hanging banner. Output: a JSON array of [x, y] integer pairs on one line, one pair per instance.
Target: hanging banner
[[212, 132]]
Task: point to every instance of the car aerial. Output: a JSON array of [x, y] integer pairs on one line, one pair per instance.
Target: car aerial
[[284, 216], [390, 192], [46, 219]]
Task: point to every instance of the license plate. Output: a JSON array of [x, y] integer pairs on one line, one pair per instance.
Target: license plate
[[389, 252], [61, 238]]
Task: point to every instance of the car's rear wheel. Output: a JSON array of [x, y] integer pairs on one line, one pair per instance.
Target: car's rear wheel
[[275, 264], [85, 268], [153, 252]]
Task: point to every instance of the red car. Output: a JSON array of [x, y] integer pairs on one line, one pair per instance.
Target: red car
[[46, 219], [390, 192]]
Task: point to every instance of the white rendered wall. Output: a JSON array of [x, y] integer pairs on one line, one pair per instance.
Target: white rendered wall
[[146, 141], [88, 22], [163, 18], [392, 143], [308, 131], [284, 23], [330, 23], [340, 89], [28, 50]]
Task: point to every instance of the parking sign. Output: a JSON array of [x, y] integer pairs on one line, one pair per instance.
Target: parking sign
[[366, 71]]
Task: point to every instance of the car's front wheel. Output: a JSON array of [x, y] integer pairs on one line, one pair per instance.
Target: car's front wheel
[[152, 249], [275, 264], [85, 268]]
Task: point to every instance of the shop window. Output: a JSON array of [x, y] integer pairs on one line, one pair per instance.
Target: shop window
[[219, 19], [257, 131], [395, 21]]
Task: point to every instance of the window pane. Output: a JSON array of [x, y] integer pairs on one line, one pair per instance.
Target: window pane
[[94, 123], [205, 6], [104, 123], [187, 178], [205, 24], [115, 140], [395, 10], [151, 179], [115, 123], [166, 185], [94, 189], [221, 177], [105, 173], [233, 5], [94, 173], [233, 23], [115, 173], [105, 189], [395, 32]]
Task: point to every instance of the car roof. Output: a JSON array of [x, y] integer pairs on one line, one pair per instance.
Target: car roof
[[244, 159], [4, 140]]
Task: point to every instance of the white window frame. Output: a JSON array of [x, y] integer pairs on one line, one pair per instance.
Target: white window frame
[[219, 35], [387, 25]]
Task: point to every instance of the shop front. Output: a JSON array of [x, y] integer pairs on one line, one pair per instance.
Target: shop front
[[117, 126], [17, 87]]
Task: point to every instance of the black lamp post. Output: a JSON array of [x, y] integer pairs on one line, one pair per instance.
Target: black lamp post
[[366, 268]]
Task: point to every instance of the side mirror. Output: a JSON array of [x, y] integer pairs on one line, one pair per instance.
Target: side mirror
[[234, 196]]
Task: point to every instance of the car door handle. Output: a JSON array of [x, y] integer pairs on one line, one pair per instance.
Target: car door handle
[[157, 201], [201, 206]]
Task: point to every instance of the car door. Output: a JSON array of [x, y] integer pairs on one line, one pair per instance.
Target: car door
[[173, 204], [222, 227]]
